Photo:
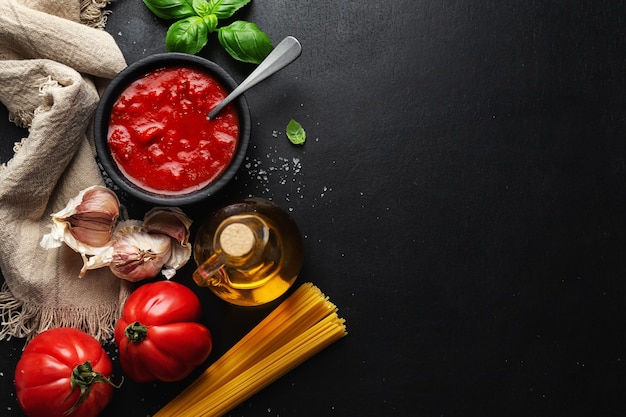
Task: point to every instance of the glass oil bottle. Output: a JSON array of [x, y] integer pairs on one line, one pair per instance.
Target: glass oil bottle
[[248, 252]]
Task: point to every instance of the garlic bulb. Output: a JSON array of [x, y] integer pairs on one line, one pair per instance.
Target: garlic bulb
[[132, 249], [86, 222]]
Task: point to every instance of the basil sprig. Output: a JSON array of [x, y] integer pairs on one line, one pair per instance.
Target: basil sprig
[[196, 19]]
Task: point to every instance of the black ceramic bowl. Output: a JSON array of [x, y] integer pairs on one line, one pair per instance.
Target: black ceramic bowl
[[140, 69]]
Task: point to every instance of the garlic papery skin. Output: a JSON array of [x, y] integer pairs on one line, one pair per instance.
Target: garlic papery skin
[[136, 254], [86, 222], [173, 222], [97, 258]]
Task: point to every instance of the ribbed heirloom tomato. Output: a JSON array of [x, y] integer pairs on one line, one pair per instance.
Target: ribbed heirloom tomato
[[63, 372], [159, 335]]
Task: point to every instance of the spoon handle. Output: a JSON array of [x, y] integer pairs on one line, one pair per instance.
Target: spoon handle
[[282, 55]]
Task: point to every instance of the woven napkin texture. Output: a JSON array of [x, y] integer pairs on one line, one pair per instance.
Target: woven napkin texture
[[52, 55]]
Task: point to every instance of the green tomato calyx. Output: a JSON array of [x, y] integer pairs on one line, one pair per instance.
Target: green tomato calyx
[[83, 377], [136, 332]]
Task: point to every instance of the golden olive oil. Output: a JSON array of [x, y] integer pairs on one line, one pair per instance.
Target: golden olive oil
[[249, 252]]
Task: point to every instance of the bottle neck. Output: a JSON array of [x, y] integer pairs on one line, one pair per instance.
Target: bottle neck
[[241, 239], [237, 239]]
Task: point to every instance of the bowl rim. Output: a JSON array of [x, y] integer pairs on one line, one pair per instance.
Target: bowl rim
[[136, 70]]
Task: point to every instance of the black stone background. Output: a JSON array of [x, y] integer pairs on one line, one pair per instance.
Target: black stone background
[[461, 197]]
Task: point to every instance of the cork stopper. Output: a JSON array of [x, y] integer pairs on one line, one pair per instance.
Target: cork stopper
[[237, 239]]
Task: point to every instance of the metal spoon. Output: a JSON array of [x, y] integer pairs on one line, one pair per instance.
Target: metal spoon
[[282, 55]]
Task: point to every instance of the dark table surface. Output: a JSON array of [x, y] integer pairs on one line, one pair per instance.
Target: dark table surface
[[461, 196]]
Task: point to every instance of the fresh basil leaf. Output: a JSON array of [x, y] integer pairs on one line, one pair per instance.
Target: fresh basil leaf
[[170, 9], [245, 42], [224, 9], [211, 22], [295, 133], [201, 7], [188, 35]]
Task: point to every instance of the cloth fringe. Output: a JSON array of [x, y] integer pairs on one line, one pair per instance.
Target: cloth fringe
[[21, 118], [92, 13], [25, 320], [16, 148]]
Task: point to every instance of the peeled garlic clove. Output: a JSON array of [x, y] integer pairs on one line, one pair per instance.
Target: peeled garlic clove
[[91, 229], [86, 222], [137, 254], [171, 221]]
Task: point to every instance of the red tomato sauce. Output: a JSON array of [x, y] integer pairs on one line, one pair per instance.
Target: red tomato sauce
[[159, 134]]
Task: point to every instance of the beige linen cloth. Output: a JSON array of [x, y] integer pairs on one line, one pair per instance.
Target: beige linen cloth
[[53, 53]]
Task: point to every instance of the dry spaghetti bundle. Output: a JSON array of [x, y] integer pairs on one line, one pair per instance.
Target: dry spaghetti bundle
[[297, 329]]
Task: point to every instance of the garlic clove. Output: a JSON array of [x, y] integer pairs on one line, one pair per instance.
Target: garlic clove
[[86, 222], [137, 254], [170, 221], [178, 258], [173, 222], [91, 228]]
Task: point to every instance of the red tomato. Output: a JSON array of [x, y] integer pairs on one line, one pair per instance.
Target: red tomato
[[158, 335], [63, 372]]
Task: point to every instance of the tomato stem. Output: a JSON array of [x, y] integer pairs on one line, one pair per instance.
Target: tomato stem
[[83, 377], [136, 332]]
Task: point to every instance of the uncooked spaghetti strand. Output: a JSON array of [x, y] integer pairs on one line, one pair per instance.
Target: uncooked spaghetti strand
[[300, 313], [257, 378], [300, 300], [283, 328], [294, 310], [269, 369], [305, 306], [254, 380]]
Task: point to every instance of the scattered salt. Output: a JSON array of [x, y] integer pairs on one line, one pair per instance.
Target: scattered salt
[[276, 169]]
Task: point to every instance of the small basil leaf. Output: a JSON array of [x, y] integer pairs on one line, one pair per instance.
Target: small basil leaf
[[245, 42], [295, 133], [201, 7], [211, 22], [188, 35], [170, 9], [224, 9]]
